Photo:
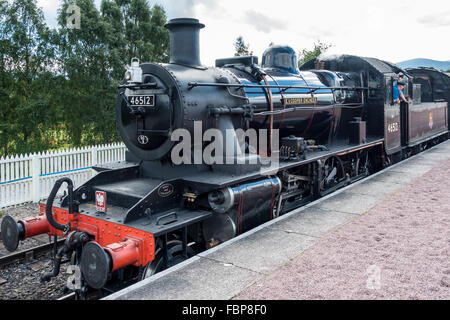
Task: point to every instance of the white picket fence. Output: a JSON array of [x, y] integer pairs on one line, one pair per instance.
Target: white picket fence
[[26, 178]]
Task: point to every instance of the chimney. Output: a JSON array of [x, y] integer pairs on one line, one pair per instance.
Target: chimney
[[184, 41]]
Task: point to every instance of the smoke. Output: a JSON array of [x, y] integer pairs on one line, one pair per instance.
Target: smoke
[[188, 8], [179, 8], [326, 57], [332, 54]]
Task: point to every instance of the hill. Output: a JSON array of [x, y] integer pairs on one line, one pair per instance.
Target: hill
[[420, 62]]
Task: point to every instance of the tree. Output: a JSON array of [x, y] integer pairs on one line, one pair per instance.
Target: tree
[[306, 55], [26, 60], [137, 31], [58, 87], [159, 35], [6, 79], [94, 59], [242, 49], [86, 93]]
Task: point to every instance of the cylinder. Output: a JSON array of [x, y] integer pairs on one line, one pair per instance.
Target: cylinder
[[241, 208]]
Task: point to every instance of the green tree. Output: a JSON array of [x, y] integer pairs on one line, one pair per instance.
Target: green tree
[[305, 55], [241, 48], [136, 31], [26, 60], [87, 95], [159, 35], [93, 60], [58, 87], [6, 80]]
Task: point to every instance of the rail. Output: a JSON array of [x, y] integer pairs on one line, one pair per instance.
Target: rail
[[28, 253]]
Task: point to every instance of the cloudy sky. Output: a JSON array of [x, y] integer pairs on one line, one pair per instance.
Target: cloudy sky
[[393, 30]]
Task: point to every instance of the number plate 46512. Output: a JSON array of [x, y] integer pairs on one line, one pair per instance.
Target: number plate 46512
[[142, 100]]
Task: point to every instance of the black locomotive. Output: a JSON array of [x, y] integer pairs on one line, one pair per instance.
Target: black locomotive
[[331, 124]]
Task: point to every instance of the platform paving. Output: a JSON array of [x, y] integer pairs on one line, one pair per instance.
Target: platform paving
[[242, 266]]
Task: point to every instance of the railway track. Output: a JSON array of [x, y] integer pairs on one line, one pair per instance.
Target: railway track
[[28, 254], [70, 296], [20, 274], [32, 256]]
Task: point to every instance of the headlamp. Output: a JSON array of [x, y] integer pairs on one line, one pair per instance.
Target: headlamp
[[134, 73]]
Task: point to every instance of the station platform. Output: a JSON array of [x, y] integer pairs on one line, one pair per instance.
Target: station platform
[[384, 237]]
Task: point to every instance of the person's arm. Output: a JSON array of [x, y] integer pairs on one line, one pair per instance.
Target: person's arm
[[402, 97]]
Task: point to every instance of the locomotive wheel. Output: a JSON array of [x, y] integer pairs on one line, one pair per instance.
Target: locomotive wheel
[[363, 164], [333, 174], [175, 255]]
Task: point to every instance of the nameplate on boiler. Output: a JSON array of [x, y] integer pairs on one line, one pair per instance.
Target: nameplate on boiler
[[309, 100]]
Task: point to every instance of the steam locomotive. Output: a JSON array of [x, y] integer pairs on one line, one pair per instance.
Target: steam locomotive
[[326, 126]]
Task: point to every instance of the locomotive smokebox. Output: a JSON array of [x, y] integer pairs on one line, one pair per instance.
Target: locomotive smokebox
[[184, 41]]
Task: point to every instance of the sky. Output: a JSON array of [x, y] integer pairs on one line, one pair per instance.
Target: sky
[[392, 30]]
